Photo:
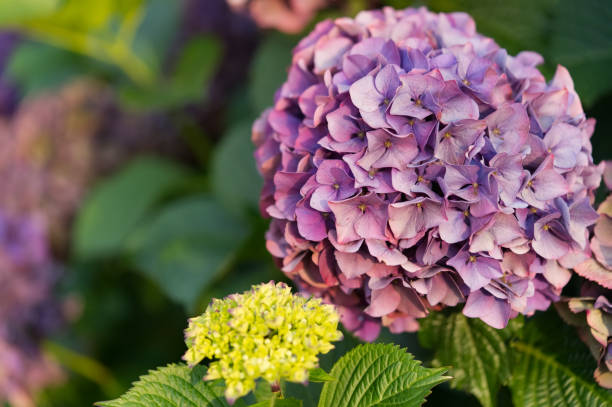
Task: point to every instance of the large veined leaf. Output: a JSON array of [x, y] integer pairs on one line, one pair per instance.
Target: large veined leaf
[[478, 354], [582, 41], [186, 245], [117, 204], [170, 386], [552, 367], [235, 180], [379, 375]]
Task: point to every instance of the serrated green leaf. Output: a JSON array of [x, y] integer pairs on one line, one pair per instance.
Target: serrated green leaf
[[379, 375], [276, 402], [235, 180], [477, 353], [552, 367], [170, 386], [116, 205], [186, 245], [318, 375]]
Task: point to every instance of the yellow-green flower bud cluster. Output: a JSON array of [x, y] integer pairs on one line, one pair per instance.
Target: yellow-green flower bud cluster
[[266, 332]]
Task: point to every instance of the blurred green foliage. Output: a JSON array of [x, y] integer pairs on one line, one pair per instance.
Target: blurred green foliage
[[156, 240]]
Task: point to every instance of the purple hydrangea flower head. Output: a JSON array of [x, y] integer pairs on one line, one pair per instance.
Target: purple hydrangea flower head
[[28, 311], [410, 163]]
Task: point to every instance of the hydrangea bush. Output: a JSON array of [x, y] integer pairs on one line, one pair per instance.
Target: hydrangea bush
[[410, 163], [28, 310]]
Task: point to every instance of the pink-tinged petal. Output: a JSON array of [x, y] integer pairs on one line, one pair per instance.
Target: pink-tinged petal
[[357, 66], [594, 271], [363, 216], [285, 124], [287, 192], [383, 301], [354, 264], [454, 141], [549, 240], [456, 228], [400, 324], [491, 310], [307, 100], [475, 270], [549, 107], [368, 331], [454, 105], [364, 94], [508, 128], [341, 124], [321, 197], [404, 180], [351, 247], [553, 272], [310, 223], [564, 142], [387, 81], [407, 219], [385, 254], [563, 79], [329, 51]]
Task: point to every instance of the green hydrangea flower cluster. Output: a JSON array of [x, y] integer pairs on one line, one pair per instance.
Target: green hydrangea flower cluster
[[266, 332]]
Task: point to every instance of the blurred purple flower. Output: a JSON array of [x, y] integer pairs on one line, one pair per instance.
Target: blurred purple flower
[[28, 311], [436, 170]]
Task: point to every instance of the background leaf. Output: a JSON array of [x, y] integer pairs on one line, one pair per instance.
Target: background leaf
[[552, 367], [186, 246], [117, 204], [379, 375], [170, 386], [582, 42], [477, 353], [235, 180]]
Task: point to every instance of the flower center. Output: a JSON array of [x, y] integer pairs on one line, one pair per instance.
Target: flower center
[[472, 259], [336, 186], [386, 102], [419, 205], [447, 135], [496, 131], [362, 207], [418, 102], [388, 144], [546, 227], [420, 178], [372, 172], [466, 213], [466, 82]]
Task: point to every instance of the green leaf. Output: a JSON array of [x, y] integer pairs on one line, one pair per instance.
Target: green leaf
[[318, 375], [379, 375], [235, 180], [12, 11], [270, 69], [582, 42], [117, 204], [552, 367], [276, 402], [36, 67], [195, 66], [477, 353], [186, 246], [170, 386]]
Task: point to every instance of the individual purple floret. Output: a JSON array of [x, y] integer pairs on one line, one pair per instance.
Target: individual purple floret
[[28, 311], [410, 164]]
